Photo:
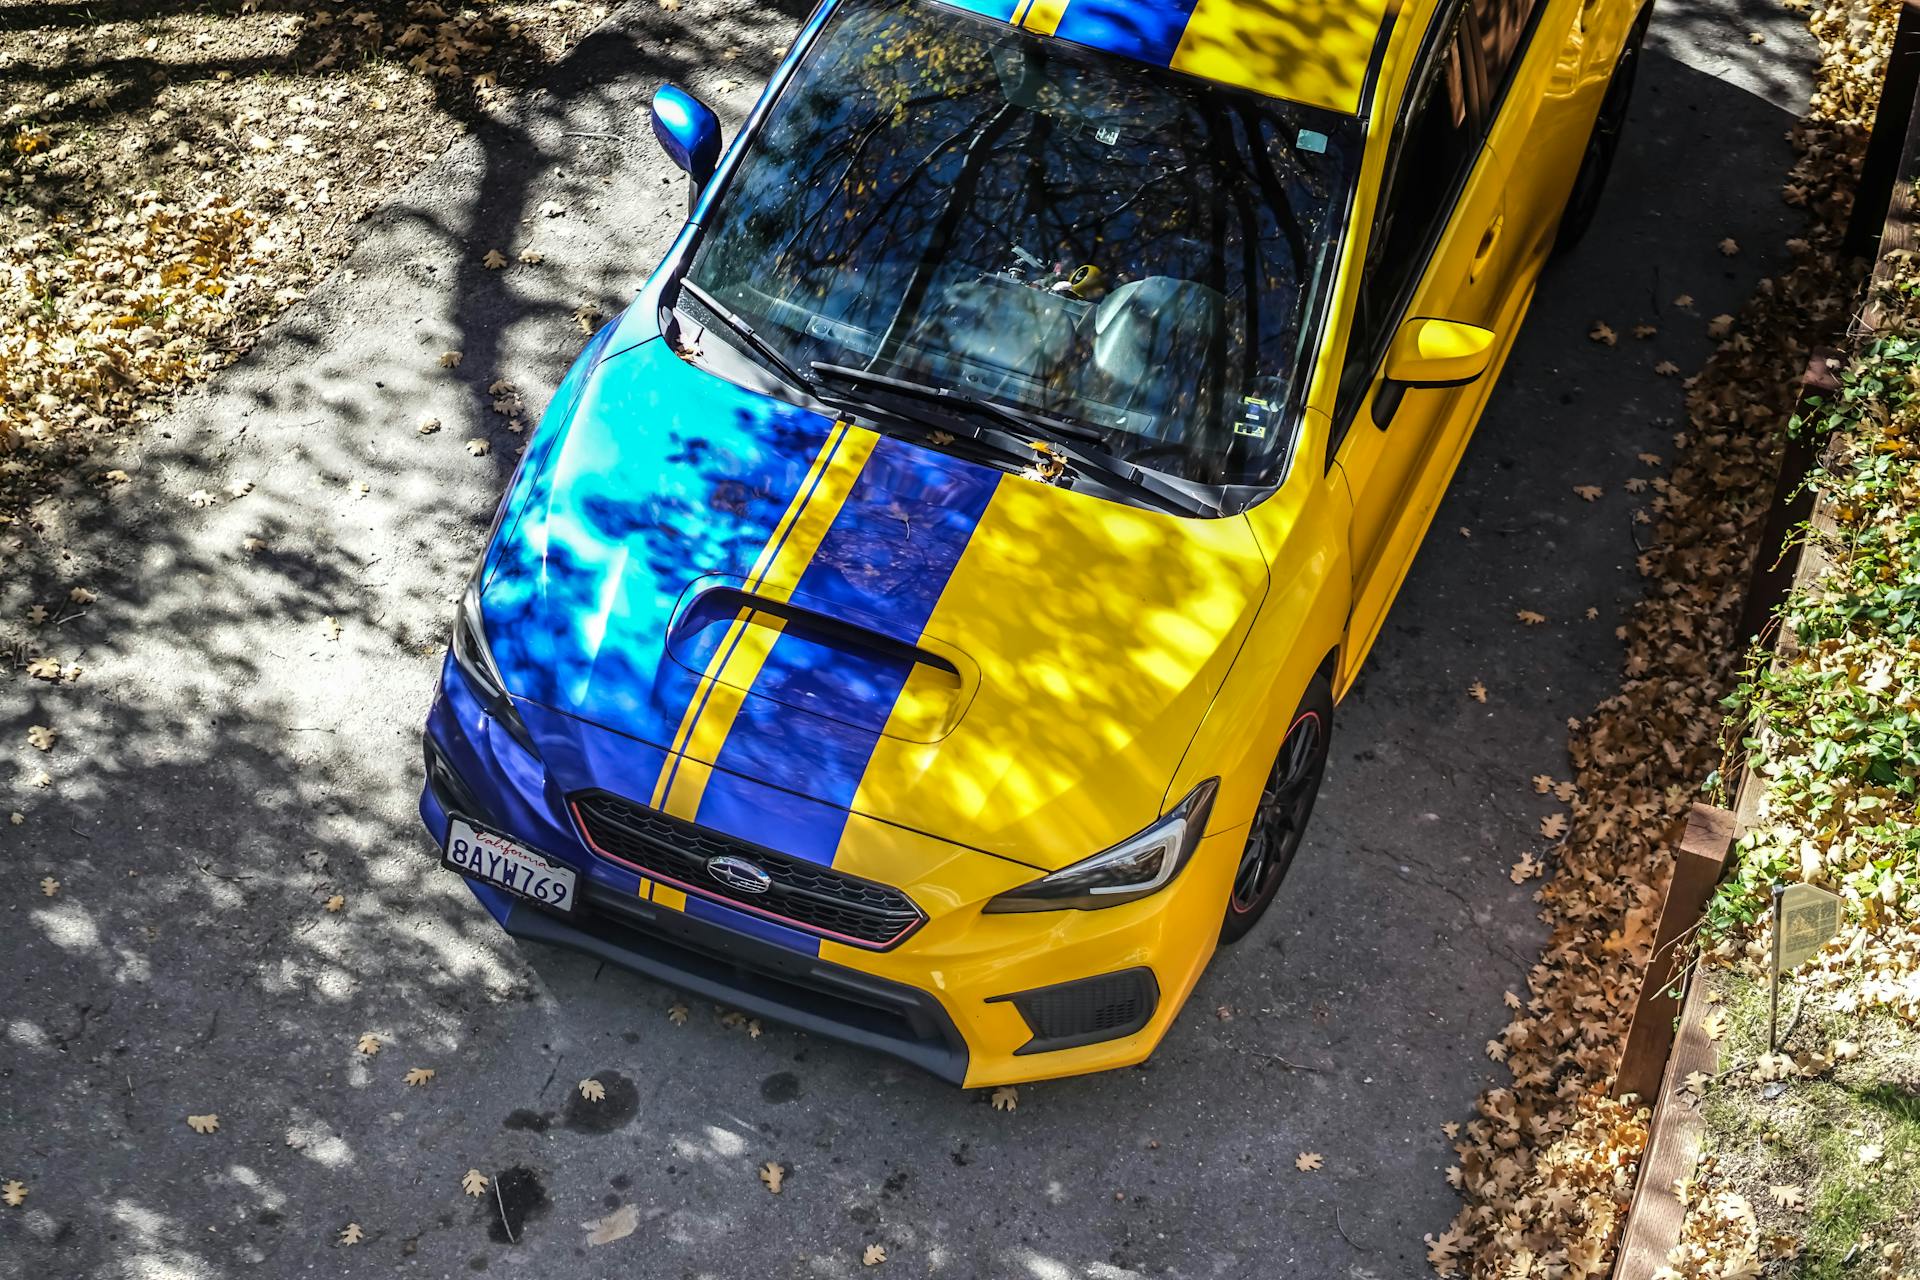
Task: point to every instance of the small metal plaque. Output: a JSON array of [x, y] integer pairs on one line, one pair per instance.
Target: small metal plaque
[[1806, 918]]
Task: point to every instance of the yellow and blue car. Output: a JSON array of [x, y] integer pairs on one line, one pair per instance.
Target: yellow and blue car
[[919, 618]]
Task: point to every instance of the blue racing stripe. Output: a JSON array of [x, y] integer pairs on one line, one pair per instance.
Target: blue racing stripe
[[882, 567], [1147, 30]]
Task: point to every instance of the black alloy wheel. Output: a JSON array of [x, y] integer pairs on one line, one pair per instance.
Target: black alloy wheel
[[1583, 202], [1286, 803]]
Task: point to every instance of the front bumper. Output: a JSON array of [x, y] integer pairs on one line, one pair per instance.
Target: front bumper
[[977, 1000]]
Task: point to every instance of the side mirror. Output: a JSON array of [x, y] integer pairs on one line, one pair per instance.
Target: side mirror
[[689, 132], [1430, 353], [1438, 353]]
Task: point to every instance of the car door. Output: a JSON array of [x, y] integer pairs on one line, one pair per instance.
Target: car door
[[1437, 248]]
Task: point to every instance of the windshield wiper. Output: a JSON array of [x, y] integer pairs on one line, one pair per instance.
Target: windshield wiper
[[962, 413], [767, 351], [1025, 418]]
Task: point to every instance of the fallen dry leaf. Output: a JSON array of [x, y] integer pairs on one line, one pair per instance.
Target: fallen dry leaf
[[451, 359], [208, 1123], [479, 448], [1644, 331], [351, 1234], [473, 1182], [677, 1015], [1666, 368], [201, 499], [1542, 783], [44, 669], [773, 1175], [592, 1090], [41, 737], [14, 1192], [369, 1043], [1477, 691], [1789, 1197], [1590, 492], [417, 1076], [1529, 618], [1307, 1161], [1728, 247], [428, 425], [49, 887], [80, 595], [494, 260], [1720, 326], [335, 903], [1603, 333], [1553, 826], [617, 1225], [1006, 1098], [1714, 1024], [874, 1256]]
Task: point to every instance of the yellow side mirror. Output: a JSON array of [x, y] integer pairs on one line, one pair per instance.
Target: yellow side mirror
[[1438, 353]]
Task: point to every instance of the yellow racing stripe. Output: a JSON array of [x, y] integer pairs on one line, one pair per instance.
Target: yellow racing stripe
[[1042, 16], [737, 660]]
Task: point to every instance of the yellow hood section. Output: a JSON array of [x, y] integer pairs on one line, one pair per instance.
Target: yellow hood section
[[1101, 634]]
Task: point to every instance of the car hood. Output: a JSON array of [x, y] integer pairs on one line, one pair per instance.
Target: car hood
[[755, 594]]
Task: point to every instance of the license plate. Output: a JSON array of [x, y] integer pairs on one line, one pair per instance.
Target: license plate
[[493, 859]]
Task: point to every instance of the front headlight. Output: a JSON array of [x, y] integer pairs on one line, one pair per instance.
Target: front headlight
[[475, 660], [1137, 866]]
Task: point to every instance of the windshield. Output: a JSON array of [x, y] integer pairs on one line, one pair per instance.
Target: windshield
[[945, 199]]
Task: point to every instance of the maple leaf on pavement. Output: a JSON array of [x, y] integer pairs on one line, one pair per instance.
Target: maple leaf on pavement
[[773, 1175], [1542, 783], [1714, 1024], [1006, 1098], [14, 1192], [1477, 691], [1307, 1161], [49, 886], [451, 359], [200, 499], [592, 1090], [1451, 1128], [1666, 368], [203, 1124], [494, 260], [428, 425], [1729, 247], [335, 903], [44, 668], [1591, 492], [369, 1043], [1553, 826], [677, 1015], [1529, 618], [1603, 333], [351, 1234], [874, 1256], [418, 1076], [1684, 301], [1789, 1197], [41, 737], [473, 1182]]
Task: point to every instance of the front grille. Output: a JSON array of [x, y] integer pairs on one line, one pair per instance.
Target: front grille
[[1087, 1010], [803, 894]]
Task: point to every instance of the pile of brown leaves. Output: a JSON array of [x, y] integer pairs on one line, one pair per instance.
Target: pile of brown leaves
[[158, 206], [1547, 1166], [95, 318]]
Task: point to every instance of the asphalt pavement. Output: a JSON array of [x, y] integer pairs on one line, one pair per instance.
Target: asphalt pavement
[[244, 745]]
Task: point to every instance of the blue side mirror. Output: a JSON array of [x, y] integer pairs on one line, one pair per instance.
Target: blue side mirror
[[688, 132]]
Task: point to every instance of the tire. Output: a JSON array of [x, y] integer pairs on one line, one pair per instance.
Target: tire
[[1285, 806], [1583, 202]]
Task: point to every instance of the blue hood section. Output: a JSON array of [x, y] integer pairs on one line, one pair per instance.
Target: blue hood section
[[661, 473], [664, 482]]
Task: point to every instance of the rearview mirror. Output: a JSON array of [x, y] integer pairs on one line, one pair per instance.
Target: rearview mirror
[[1438, 353], [689, 132]]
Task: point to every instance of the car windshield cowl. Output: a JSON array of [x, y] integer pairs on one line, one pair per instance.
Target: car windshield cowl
[[1123, 260]]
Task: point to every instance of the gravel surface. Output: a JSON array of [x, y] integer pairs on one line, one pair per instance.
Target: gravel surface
[[243, 744]]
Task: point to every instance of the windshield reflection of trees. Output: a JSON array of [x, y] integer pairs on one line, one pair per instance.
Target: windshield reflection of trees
[[928, 222]]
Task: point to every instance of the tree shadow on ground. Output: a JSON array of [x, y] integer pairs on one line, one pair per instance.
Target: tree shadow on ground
[[243, 745]]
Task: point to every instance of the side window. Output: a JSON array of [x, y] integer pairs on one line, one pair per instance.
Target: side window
[[1434, 149], [1504, 28]]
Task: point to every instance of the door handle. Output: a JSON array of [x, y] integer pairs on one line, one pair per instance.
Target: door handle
[[1488, 239]]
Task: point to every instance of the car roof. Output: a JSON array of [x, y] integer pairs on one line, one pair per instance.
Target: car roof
[[1311, 51]]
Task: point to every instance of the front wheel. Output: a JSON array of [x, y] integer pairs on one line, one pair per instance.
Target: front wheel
[[1285, 805]]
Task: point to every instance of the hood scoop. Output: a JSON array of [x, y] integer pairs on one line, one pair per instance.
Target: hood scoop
[[836, 666]]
